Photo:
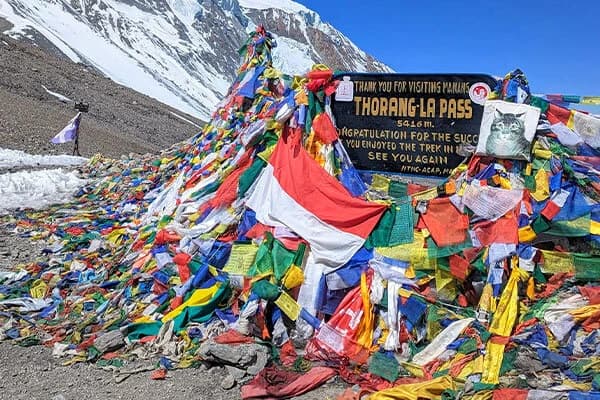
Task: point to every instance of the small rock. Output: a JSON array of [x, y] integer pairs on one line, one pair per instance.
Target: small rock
[[228, 382], [59, 397], [262, 359], [110, 341], [241, 356], [237, 373]]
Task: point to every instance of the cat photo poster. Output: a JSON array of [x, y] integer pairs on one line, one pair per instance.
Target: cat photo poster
[[507, 130]]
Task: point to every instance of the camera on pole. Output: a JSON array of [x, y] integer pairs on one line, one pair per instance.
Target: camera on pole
[[82, 107]]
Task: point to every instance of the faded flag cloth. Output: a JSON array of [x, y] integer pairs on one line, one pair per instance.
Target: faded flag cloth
[[69, 132]]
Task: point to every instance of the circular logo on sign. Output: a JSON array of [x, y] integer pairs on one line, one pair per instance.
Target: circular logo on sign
[[478, 92]]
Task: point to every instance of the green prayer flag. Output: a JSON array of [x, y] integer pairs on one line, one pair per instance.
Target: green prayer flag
[[384, 366], [273, 258], [433, 251], [529, 182], [578, 227], [508, 361], [266, 290], [249, 176], [587, 267], [403, 230], [540, 225], [540, 103], [396, 226], [380, 237], [398, 190], [468, 346]]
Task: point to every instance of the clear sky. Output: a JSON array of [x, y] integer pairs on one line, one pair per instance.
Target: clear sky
[[556, 43]]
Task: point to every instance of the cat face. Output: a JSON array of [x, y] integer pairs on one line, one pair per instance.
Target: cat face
[[507, 126]]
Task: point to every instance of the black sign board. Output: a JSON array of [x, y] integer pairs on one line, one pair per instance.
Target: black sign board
[[409, 123]]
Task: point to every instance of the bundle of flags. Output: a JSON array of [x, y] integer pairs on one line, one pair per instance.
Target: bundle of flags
[[260, 224]]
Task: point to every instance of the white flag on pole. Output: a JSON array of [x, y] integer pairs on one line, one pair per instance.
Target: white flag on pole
[[69, 132]]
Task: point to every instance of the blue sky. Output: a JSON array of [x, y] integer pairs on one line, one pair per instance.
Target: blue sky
[[556, 43]]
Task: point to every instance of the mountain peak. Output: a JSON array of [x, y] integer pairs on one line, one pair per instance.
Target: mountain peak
[[285, 5], [181, 52]]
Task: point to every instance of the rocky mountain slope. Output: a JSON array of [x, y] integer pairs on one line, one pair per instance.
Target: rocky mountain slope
[[119, 121], [181, 52]]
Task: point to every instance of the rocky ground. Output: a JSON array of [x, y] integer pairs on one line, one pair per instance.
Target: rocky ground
[[31, 373]]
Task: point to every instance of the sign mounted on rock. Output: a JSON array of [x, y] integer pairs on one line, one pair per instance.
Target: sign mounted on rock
[[409, 123]]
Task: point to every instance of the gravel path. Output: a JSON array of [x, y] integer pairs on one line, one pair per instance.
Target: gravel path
[[32, 374]]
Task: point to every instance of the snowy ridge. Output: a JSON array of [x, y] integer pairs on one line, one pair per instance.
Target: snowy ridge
[[139, 59], [181, 52], [285, 5]]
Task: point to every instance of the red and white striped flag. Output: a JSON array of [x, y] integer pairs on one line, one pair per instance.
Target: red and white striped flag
[[295, 191]]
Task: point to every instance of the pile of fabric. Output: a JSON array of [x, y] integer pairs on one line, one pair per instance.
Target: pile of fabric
[[258, 234]]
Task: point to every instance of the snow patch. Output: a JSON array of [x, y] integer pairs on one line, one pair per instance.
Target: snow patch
[[59, 96], [185, 119], [15, 158], [37, 189], [291, 56], [286, 5], [185, 10]]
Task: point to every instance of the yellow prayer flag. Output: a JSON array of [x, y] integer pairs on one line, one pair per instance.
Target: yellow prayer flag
[[38, 289], [294, 277], [590, 100], [241, 258], [555, 262], [472, 367], [594, 227], [542, 188], [198, 298], [414, 252], [428, 194], [445, 284], [494, 354], [380, 183], [502, 325], [432, 389], [288, 306], [526, 234]]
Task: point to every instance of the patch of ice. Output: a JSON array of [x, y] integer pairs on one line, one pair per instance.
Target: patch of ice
[[16, 158], [59, 96], [37, 189]]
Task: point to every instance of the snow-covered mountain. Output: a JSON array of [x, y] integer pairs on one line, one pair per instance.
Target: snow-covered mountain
[[181, 52]]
